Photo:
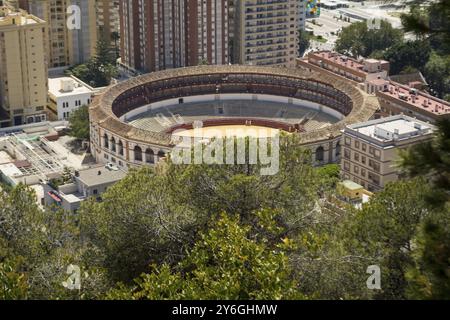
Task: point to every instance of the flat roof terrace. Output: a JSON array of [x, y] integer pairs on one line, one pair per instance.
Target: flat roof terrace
[[418, 99], [339, 59], [386, 131]]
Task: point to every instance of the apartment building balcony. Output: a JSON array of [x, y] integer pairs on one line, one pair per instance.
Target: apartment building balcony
[[266, 9], [265, 3], [266, 30]]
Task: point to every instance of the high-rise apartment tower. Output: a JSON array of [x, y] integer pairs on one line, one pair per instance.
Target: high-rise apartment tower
[[266, 32], [164, 34], [23, 68]]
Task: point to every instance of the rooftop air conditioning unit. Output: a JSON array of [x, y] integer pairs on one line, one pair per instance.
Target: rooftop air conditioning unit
[[67, 85]]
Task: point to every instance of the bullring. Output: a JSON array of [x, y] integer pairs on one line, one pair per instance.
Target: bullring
[[131, 122]]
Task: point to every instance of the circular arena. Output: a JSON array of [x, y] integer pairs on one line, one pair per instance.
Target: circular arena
[[133, 122]]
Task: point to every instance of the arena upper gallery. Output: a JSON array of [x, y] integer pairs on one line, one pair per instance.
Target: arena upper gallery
[[132, 122]]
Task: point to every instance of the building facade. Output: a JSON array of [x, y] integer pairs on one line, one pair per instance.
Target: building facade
[[92, 182], [23, 68], [373, 77], [370, 149], [302, 14], [66, 95], [165, 34], [266, 32], [396, 98], [66, 45], [108, 20], [358, 71]]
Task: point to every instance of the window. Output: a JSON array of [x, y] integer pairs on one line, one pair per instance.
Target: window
[[356, 169], [137, 153], [320, 154], [347, 141], [375, 165], [363, 147], [338, 149], [375, 178], [149, 156], [377, 153], [346, 166], [356, 144], [356, 156], [120, 147], [346, 154]]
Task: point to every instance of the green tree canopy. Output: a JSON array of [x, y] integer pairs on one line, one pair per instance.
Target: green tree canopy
[[437, 73], [79, 123], [225, 263], [153, 216], [304, 41], [407, 54], [358, 40], [100, 69]]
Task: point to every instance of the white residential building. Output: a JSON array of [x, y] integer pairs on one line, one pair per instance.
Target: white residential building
[[371, 148], [67, 95]]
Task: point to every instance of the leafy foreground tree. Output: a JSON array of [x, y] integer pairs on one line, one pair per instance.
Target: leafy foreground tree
[[13, 285], [332, 259], [432, 24], [429, 277], [154, 216], [432, 160], [79, 123], [225, 263], [36, 247], [358, 40]]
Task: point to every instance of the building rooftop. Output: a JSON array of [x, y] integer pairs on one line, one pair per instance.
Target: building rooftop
[[10, 170], [66, 86], [362, 66], [399, 127], [9, 17], [409, 78], [339, 59], [99, 175], [350, 185], [417, 98], [379, 82], [73, 198]]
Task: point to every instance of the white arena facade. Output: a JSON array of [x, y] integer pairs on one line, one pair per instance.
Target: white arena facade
[[133, 122]]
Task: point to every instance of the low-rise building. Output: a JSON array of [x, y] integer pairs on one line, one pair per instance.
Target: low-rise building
[[92, 182], [359, 71], [65, 95], [370, 149], [352, 193], [396, 98], [373, 77]]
